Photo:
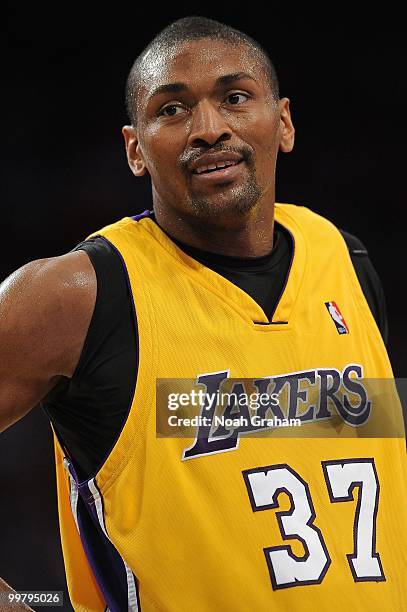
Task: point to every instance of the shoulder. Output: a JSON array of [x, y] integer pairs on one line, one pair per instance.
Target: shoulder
[[322, 232], [313, 221], [109, 271], [354, 244], [47, 304], [66, 276], [122, 227], [369, 281], [315, 226]]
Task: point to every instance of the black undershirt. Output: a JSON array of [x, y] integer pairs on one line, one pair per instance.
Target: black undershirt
[[88, 411]]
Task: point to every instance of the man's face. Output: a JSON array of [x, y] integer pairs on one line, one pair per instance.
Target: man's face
[[208, 129]]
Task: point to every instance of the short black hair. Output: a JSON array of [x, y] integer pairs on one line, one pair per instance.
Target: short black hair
[[194, 28]]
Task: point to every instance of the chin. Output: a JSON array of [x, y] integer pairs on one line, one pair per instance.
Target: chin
[[236, 202]]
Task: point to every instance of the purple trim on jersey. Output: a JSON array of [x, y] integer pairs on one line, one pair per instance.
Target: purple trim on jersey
[[143, 215], [90, 557], [93, 502], [107, 565], [72, 471]]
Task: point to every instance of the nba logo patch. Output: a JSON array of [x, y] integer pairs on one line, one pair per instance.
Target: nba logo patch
[[337, 317]]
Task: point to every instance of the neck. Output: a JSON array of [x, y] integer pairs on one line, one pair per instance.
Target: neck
[[247, 236]]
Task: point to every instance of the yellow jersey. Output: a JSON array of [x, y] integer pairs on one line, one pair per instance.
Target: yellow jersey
[[228, 512]]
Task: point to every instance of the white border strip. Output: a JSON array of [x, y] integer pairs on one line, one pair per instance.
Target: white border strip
[[131, 585]]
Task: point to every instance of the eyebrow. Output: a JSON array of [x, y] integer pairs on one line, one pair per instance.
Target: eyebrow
[[230, 78], [179, 87]]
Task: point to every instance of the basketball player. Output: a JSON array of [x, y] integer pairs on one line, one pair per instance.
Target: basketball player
[[217, 281]]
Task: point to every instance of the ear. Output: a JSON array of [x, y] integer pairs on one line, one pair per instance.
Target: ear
[[286, 125], [134, 154]]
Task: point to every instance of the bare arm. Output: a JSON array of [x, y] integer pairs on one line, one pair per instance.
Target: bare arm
[[45, 310]]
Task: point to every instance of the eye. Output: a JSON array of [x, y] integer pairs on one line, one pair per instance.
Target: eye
[[171, 110], [237, 98]]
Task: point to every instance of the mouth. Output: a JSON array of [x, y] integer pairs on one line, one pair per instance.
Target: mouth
[[226, 170], [214, 167]]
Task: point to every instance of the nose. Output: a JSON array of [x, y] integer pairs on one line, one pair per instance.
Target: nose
[[208, 126]]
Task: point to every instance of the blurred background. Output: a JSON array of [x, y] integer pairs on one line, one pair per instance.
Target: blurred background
[[66, 175]]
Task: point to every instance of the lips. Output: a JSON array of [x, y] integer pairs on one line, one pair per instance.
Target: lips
[[219, 176], [217, 166], [212, 162]]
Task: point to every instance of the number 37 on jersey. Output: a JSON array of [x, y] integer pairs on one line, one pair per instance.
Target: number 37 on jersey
[[346, 480]]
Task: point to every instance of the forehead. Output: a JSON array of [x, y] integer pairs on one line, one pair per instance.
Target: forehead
[[197, 63]]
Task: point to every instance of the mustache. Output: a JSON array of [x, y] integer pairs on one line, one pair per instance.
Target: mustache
[[188, 157]]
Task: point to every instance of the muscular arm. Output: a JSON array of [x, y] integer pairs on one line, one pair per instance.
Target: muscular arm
[[45, 310]]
